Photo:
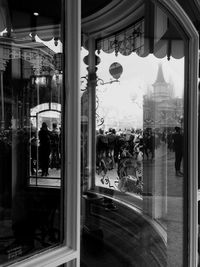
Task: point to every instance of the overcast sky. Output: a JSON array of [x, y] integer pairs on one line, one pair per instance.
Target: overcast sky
[[123, 100]]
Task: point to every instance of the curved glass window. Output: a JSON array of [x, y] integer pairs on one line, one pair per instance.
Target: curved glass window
[[133, 142]]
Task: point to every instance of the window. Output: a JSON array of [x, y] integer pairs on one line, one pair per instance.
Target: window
[[35, 98], [135, 133], [31, 90], [126, 194]]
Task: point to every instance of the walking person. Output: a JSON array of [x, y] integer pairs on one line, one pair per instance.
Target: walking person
[[178, 149], [54, 138], [44, 148]]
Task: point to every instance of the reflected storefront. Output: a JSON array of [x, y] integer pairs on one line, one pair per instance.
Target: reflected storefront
[[135, 122], [31, 90], [98, 133]]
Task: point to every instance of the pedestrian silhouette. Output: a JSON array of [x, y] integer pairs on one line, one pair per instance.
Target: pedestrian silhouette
[[44, 149], [178, 149]]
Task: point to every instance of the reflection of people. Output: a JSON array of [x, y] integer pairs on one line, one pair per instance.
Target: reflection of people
[[44, 148], [111, 145], [178, 148], [54, 147], [33, 143]]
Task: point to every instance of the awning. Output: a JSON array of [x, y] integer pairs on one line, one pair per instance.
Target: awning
[[154, 34]]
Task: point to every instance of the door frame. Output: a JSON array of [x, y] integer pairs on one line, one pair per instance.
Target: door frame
[[191, 111], [69, 251]]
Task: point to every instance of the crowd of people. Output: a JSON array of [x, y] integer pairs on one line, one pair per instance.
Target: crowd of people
[[111, 145], [139, 144], [46, 154], [128, 143]]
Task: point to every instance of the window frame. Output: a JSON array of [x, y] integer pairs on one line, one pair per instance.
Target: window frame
[[69, 251], [190, 219], [191, 215]]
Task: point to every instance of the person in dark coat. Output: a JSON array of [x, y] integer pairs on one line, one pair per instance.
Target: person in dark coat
[[44, 149], [54, 147], [178, 149]]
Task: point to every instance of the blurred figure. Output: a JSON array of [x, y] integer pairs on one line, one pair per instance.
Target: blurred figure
[[33, 143], [111, 146], [44, 149], [178, 148], [54, 147]]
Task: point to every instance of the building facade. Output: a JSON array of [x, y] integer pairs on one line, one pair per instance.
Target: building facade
[[161, 108]]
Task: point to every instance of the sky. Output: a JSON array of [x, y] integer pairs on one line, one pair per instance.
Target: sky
[[56, 48], [123, 100]]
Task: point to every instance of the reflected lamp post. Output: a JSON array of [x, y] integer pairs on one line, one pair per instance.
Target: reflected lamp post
[[115, 70]]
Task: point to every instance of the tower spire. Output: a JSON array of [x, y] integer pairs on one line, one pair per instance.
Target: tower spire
[[160, 76]]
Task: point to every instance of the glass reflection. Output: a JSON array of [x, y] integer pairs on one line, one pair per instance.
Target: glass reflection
[[30, 122], [140, 126], [135, 195]]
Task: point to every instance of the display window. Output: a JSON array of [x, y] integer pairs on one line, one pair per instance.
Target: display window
[[135, 134]]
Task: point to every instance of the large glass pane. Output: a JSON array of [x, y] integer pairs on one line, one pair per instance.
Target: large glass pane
[[30, 134], [132, 193]]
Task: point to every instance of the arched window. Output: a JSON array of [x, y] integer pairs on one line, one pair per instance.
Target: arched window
[[138, 157]]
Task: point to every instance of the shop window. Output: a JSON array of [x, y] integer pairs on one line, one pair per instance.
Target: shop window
[[134, 133]]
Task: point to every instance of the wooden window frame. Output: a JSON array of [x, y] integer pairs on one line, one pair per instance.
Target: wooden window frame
[[69, 251], [191, 110]]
